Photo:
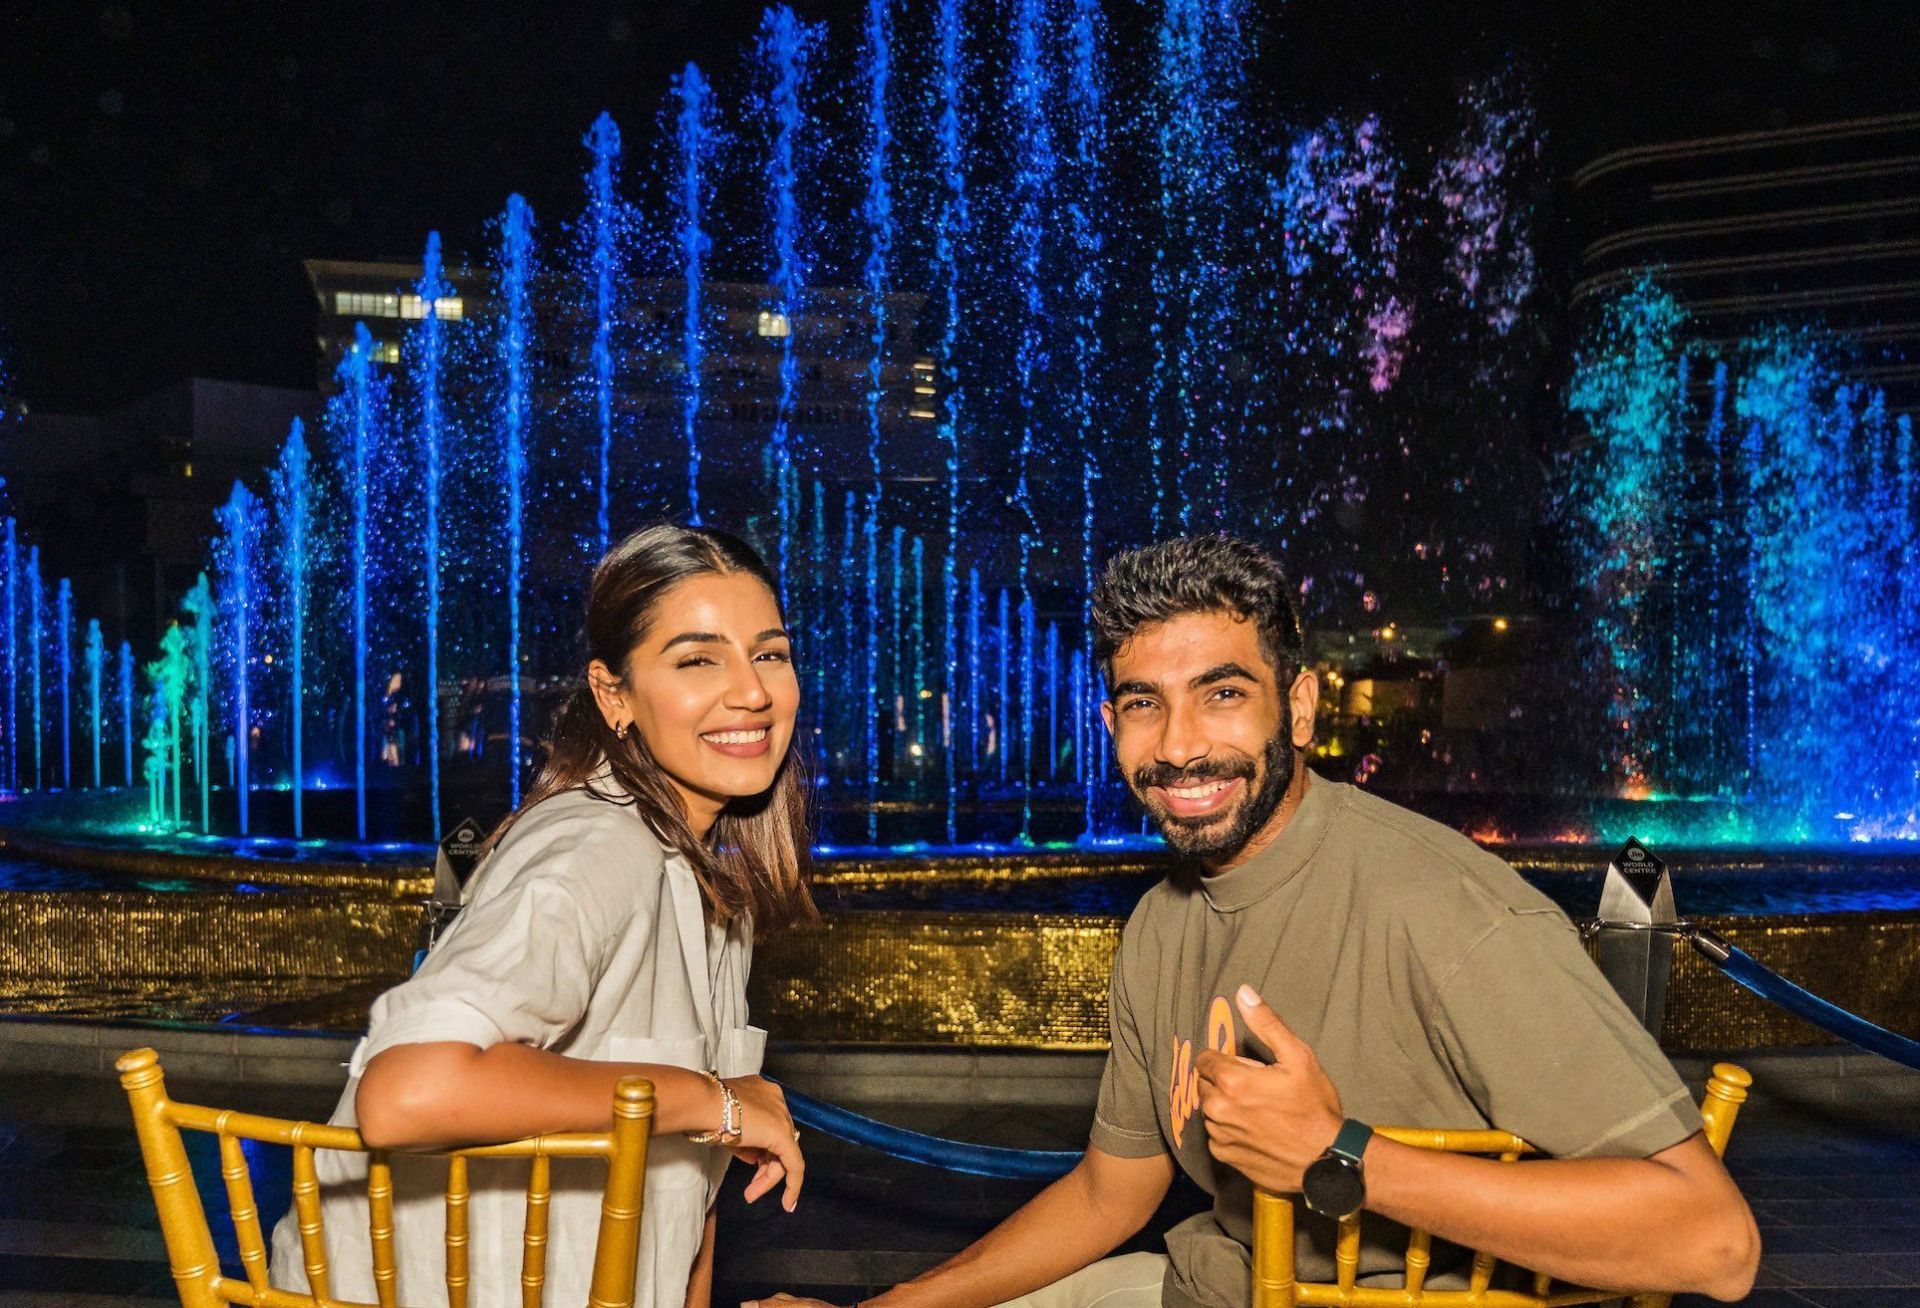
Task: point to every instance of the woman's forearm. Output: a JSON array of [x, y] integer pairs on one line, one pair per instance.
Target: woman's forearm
[[428, 1096]]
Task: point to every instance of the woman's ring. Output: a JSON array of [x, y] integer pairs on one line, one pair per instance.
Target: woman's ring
[[796, 1135]]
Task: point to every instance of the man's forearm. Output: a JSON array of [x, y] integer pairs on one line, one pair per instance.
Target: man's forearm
[[1061, 1230], [1662, 1223]]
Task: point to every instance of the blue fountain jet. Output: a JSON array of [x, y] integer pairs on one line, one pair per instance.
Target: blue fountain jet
[[96, 655], [200, 605], [36, 639], [240, 524], [64, 647], [13, 654], [603, 222], [431, 335], [1034, 166], [952, 221], [293, 491], [356, 375], [1087, 129], [126, 707], [877, 212], [516, 348], [785, 46], [693, 138]]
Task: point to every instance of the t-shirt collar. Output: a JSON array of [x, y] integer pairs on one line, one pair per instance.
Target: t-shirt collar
[[1290, 851]]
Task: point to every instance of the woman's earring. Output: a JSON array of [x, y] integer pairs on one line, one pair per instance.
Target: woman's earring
[[620, 732]]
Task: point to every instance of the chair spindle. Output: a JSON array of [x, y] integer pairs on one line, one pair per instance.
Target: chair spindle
[[458, 1274], [244, 1209], [306, 1207], [1419, 1259], [380, 1227], [533, 1265], [1346, 1253]]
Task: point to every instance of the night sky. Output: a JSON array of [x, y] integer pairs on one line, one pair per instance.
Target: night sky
[[165, 167]]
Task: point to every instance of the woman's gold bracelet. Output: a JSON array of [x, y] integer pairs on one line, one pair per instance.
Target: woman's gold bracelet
[[731, 1116]]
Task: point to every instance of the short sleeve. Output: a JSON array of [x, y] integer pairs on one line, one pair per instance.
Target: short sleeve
[[519, 966], [1124, 1123], [1548, 1051]]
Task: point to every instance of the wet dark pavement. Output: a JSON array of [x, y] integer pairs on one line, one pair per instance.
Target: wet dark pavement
[[1832, 1170]]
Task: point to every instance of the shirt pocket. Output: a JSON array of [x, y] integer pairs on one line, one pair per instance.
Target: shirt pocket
[[674, 1163], [743, 1050]]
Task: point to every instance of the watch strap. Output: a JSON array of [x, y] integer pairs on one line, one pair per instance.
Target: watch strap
[[1351, 1142]]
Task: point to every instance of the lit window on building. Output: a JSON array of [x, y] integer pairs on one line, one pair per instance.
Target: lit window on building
[[386, 352], [365, 304], [774, 324], [447, 309]]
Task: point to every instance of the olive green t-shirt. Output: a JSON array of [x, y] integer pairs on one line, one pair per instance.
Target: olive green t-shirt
[[1437, 988]]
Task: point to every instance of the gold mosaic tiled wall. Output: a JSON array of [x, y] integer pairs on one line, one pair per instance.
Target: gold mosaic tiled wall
[[988, 980], [1040, 982]]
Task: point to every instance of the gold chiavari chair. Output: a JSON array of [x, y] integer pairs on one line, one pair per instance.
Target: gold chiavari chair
[[1274, 1284], [159, 1120]]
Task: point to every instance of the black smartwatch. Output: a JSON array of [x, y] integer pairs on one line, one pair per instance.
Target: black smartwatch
[[1334, 1185]]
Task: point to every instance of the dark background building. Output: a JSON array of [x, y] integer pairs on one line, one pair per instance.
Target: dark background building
[[123, 501], [1818, 224]]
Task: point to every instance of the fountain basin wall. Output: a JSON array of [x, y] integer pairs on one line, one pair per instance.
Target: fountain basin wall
[[244, 951]]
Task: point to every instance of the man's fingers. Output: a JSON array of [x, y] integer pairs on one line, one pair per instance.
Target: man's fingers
[[1213, 1066], [1265, 1023]]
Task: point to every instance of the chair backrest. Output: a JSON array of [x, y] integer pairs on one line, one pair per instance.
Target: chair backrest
[[1274, 1284], [158, 1122]]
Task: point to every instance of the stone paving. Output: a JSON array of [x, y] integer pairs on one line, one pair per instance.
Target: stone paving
[[1832, 1170]]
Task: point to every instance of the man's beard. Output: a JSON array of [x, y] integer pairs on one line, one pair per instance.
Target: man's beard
[[1216, 836]]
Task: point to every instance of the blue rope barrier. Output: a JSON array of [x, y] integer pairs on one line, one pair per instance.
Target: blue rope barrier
[[929, 1150], [1744, 968]]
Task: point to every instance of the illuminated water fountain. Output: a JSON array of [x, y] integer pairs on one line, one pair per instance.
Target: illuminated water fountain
[[914, 313]]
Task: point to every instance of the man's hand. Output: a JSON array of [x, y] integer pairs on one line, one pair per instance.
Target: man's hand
[[786, 1301], [1268, 1121]]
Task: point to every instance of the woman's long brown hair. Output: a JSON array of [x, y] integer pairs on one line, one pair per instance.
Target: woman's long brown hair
[[755, 860]]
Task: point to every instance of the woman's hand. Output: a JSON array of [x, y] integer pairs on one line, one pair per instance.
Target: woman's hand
[[768, 1140]]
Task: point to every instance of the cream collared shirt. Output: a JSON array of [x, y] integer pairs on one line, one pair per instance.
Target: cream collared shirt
[[583, 935]]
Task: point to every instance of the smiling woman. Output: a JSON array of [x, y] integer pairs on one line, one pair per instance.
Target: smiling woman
[[608, 934]]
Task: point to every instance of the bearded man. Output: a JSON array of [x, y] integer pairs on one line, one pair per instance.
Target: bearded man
[[1321, 961]]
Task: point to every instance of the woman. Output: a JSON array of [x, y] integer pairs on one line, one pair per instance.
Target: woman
[[607, 934]]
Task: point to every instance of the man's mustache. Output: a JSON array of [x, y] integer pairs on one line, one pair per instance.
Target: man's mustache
[[1194, 774]]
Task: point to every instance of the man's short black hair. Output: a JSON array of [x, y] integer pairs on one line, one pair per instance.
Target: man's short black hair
[[1197, 574]]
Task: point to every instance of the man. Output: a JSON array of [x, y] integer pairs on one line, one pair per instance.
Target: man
[[1414, 980]]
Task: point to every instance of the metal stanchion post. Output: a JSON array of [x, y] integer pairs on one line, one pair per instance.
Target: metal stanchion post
[[1634, 932], [453, 867]]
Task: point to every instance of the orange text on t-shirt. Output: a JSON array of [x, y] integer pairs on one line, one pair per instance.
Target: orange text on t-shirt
[[1183, 1092]]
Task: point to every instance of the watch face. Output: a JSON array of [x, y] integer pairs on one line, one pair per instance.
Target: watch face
[[1333, 1188]]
